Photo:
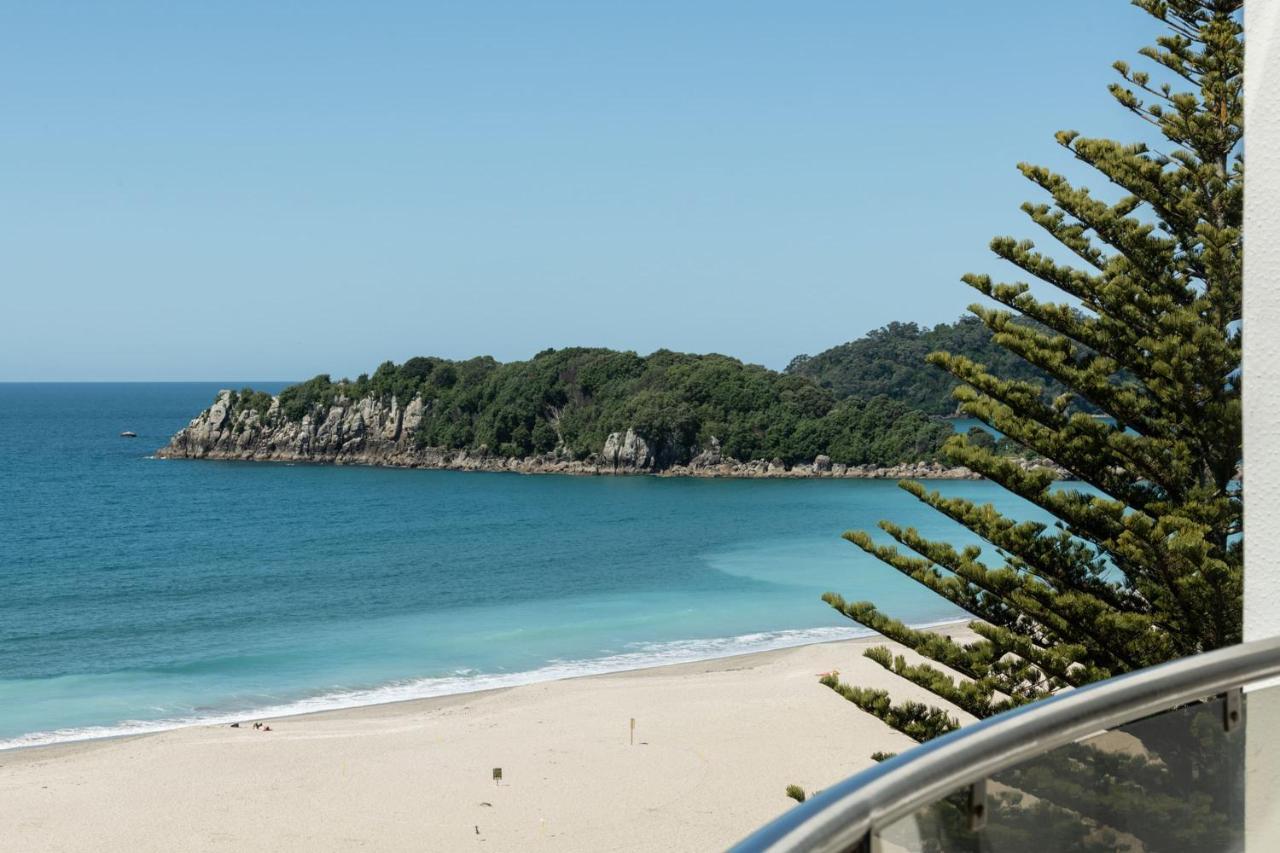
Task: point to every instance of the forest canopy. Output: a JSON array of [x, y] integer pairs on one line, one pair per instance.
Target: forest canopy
[[570, 400], [872, 401], [891, 361]]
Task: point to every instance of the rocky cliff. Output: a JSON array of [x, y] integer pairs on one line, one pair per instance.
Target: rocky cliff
[[371, 431]]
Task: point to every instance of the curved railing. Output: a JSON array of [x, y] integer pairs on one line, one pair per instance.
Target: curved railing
[[1059, 763]]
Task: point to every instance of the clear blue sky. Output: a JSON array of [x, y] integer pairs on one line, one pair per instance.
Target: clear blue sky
[[274, 190]]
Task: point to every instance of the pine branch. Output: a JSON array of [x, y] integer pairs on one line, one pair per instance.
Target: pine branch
[[915, 720]]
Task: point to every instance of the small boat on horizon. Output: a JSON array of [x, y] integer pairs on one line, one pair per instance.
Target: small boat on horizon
[[128, 434]]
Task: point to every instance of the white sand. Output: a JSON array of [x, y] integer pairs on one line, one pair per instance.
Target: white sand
[[716, 745]]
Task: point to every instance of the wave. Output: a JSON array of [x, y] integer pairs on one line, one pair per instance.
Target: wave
[[638, 656]]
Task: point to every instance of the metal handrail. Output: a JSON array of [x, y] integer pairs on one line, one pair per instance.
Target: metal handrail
[[844, 815]]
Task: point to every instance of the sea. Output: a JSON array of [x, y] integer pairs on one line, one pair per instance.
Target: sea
[[139, 594]]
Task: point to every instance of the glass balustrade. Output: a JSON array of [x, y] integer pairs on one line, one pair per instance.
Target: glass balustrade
[[1169, 782], [1178, 758]]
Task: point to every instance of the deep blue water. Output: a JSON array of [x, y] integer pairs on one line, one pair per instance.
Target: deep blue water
[[138, 593]]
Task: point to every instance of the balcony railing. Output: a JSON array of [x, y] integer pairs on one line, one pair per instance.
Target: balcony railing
[[1150, 761]]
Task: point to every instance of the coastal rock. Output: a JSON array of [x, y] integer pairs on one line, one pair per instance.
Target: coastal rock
[[626, 450], [710, 457], [395, 417], [413, 416]]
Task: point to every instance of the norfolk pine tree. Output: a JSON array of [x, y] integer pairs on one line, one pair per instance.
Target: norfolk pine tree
[[1145, 566]]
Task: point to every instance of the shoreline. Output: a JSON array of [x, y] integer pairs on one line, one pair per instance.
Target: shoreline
[[439, 459], [714, 746], [297, 708], [435, 459]]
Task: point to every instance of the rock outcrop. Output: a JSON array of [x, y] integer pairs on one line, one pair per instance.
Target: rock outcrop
[[371, 431], [626, 450]]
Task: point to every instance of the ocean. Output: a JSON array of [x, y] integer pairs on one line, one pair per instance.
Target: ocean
[[139, 594]]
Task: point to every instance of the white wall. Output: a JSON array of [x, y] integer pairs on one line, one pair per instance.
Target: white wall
[[1262, 408], [1262, 320]]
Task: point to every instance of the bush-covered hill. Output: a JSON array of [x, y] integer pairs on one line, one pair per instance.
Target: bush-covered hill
[[890, 361], [570, 400]]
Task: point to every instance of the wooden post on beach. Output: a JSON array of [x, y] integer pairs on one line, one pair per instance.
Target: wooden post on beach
[[633, 731]]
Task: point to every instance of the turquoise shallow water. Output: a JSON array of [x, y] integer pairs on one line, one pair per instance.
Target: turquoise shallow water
[[138, 594]]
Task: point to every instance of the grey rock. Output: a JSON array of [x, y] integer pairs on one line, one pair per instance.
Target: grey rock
[[710, 457], [626, 450]]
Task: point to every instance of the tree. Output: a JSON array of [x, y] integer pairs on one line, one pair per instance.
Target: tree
[[1144, 561]]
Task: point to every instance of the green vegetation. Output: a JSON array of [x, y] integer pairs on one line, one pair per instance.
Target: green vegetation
[[870, 401], [1149, 566], [249, 399], [891, 361], [570, 400]]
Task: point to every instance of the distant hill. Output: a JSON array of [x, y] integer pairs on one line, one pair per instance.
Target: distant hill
[[576, 404], [890, 361]]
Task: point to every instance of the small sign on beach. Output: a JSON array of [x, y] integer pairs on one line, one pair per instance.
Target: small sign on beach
[[497, 775]]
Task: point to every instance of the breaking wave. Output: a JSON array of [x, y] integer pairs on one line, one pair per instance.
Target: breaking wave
[[636, 656]]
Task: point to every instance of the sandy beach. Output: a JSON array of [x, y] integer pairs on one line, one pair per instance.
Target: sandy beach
[[716, 744]]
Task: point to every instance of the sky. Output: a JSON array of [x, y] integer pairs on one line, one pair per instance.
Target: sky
[[208, 191]]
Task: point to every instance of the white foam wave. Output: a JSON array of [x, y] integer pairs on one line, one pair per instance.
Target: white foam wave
[[640, 656]]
